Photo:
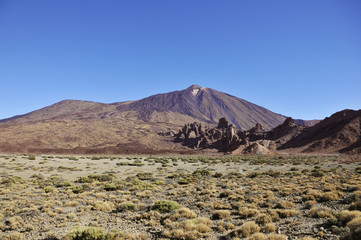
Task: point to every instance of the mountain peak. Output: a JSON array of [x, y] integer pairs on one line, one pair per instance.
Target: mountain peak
[[194, 86], [194, 89]]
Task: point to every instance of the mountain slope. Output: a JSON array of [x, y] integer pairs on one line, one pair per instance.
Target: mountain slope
[[192, 104], [339, 133], [207, 105]]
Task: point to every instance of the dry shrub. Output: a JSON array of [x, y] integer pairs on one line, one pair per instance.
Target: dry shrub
[[152, 215], [273, 214], [309, 204], [223, 226], [188, 229], [183, 213], [14, 236], [221, 214], [319, 212], [174, 234], [262, 219], [285, 213], [285, 204], [258, 236], [346, 216], [355, 206], [355, 227], [245, 212], [14, 222], [181, 234], [330, 196], [308, 198], [71, 203], [268, 195], [308, 238], [315, 193], [246, 230], [269, 228], [102, 206], [274, 236], [220, 205]]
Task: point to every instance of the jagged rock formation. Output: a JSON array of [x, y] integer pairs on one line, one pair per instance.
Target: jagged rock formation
[[285, 132], [225, 138]]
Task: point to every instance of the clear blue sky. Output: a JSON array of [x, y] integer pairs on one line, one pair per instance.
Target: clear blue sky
[[298, 58]]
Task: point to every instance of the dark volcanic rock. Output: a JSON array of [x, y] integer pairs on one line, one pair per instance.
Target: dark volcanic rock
[[223, 123], [225, 137], [285, 132]]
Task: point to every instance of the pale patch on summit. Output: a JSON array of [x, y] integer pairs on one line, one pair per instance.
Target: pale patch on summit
[[195, 91]]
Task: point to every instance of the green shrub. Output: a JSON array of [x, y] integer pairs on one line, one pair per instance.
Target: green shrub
[[48, 189], [317, 173], [76, 189], [12, 180], [102, 177], [145, 176], [91, 233], [137, 163], [165, 206], [201, 173], [84, 180]]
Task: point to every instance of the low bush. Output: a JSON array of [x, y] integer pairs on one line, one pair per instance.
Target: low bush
[[165, 206]]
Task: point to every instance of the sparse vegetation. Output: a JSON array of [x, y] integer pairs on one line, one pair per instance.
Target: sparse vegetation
[[199, 198]]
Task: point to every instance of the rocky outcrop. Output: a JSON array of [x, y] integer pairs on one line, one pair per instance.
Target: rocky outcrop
[[227, 138], [285, 132]]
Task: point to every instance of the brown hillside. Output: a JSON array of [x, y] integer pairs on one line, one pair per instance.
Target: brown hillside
[[339, 133]]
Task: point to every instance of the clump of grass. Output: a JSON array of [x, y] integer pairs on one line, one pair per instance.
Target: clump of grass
[[285, 213], [346, 216], [183, 213], [246, 230], [102, 206], [247, 212], [263, 219], [284, 204], [127, 206], [319, 212], [221, 214]]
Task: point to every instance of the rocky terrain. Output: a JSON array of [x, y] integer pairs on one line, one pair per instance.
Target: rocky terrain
[[227, 138], [340, 133]]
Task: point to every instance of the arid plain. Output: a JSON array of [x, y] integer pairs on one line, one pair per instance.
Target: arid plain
[[180, 197]]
